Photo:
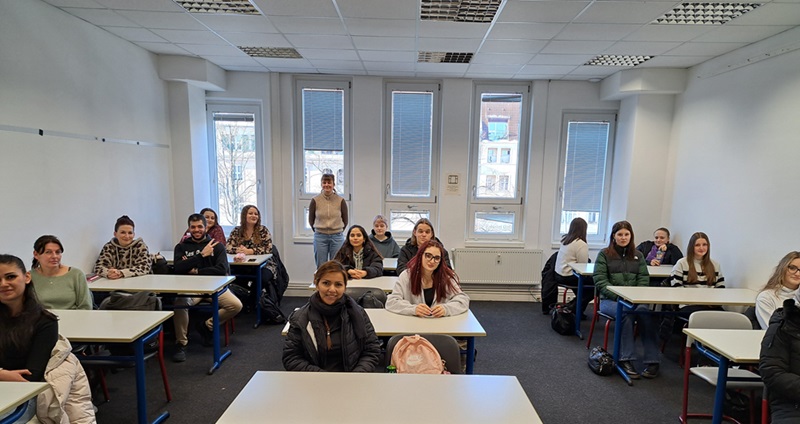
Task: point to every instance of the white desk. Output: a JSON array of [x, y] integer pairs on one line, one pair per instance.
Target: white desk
[[739, 346], [387, 324], [209, 285], [362, 398], [630, 296], [14, 396], [134, 327], [390, 264], [385, 283], [588, 269]]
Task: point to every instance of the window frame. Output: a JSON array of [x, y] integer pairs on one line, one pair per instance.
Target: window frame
[[602, 223], [510, 205], [302, 199], [412, 204], [217, 106]]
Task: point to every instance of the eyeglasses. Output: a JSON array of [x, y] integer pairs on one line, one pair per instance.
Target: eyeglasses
[[430, 257], [793, 269]]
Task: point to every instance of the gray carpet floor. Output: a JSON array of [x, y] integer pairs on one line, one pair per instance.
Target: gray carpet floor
[[551, 368]]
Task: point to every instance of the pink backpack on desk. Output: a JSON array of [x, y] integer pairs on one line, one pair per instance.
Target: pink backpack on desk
[[416, 355]]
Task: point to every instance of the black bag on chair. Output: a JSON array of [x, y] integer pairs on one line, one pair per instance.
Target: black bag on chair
[[549, 286], [600, 361], [270, 311], [562, 318]]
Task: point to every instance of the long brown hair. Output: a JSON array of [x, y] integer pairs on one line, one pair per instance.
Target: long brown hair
[[705, 262], [629, 250], [577, 231], [775, 282], [256, 228], [445, 279], [16, 332], [345, 253], [427, 222]]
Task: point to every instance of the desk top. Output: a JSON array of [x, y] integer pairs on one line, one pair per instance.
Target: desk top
[[385, 283], [165, 283], [686, 296], [362, 398], [742, 346], [389, 264], [388, 323], [14, 394], [249, 259], [654, 271], [107, 326]]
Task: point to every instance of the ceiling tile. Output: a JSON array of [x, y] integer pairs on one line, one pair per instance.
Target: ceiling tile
[[245, 68], [704, 49], [382, 27], [512, 46], [255, 39], [596, 31], [595, 71], [328, 54], [290, 70], [508, 58], [639, 48], [512, 31], [378, 55], [449, 44], [741, 34], [223, 61], [624, 12], [385, 43], [306, 8], [772, 14], [379, 9], [212, 50], [673, 61], [313, 26], [163, 48], [654, 32], [452, 29], [283, 63], [151, 5], [235, 23], [541, 11], [75, 3], [576, 47], [336, 64], [320, 41], [190, 37], [547, 69], [492, 68], [163, 20], [389, 66], [100, 17], [135, 34], [560, 59], [442, 67]]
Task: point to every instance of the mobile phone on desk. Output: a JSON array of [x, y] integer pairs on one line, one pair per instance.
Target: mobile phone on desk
[[251, 260]]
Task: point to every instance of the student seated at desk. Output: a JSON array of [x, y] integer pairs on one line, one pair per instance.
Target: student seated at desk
[[422, 232], [31, 350], [779, 363], [697, 269], [123, 256], [213, 229], [200, 255], [428, 287], [660, 251], [253, 238], [57, 286], [359, 256], [382, 239], [620, 264], [574, 249], [781, 285], [331, 332]]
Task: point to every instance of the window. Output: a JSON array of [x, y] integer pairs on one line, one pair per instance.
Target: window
[[412, 124], [322, 143], [586, 144], [235, 133], [502, 123]]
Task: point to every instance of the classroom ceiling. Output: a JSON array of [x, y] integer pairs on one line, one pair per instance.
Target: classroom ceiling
[[493, 39]]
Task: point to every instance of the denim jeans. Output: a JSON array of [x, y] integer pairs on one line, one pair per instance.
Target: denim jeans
[[326, 246], [648, 332]]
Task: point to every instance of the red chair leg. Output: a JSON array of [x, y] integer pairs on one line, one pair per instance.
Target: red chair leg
[[103, 383], [764, 411], [163, 367], [685, 400], [227, 330]]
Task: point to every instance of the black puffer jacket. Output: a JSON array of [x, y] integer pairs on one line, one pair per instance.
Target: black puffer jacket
[[671, 255], [780, 363], [300, 353]]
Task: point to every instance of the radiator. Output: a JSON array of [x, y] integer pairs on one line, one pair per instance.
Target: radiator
[[498, 266]]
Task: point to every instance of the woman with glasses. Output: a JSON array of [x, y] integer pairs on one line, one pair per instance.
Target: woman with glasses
[[428, 287], [781, 285]]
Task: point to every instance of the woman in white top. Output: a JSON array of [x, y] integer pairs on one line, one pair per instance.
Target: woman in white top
[[574, 249], [781, 285]]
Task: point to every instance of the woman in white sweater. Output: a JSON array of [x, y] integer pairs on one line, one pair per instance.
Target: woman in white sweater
[[781, 285], [574, 249]]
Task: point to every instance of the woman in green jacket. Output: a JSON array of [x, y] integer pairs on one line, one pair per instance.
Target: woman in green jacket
[[620, 264]]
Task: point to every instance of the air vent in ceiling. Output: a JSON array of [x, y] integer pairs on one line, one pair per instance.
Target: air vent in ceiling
[[275, 52], [617, 60], [704, 13], [459, 10], [240, 7], [444, 57]]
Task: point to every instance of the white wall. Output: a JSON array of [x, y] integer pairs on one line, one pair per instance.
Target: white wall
[[62, 74], [736, 152]]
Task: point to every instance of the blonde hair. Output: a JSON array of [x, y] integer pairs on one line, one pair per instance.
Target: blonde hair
[[380, 217]]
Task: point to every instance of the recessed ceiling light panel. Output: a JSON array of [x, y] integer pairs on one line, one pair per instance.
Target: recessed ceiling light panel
[[274, 52], [240, 7], [459, 10], [617, 60], [444, 57], [704, 13]]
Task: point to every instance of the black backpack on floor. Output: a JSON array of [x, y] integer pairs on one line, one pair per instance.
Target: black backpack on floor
[[270, 311]]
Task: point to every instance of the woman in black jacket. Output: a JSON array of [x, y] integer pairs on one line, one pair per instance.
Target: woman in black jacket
[[660, 251], [780, 363], [331, 332], [359, 256]]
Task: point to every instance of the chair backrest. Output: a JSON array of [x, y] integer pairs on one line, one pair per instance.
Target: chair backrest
[[722, 320], [357, 292], [446, 345]]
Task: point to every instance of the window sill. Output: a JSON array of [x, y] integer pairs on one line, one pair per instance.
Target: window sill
[[303, 239]]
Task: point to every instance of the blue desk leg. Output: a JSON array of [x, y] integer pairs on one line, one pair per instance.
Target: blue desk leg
[[618, 340], [14, 416], [141, 392], [258, 295], [578, 314], [470, 354], [719, 395], [218, 357]]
